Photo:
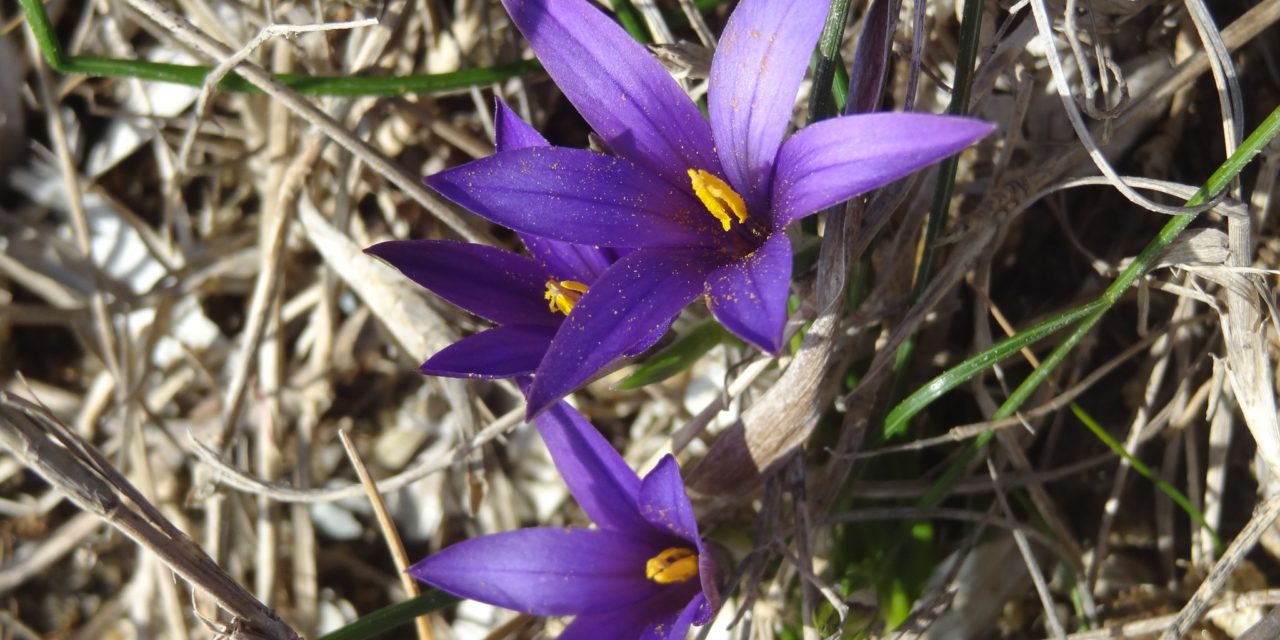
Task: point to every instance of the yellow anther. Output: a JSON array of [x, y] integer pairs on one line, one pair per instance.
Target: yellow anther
[[563, 294], [671, 565], [715, 195]]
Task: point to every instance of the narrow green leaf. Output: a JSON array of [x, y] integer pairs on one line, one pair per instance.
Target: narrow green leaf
[[896, 422], [679, 355], [1146, 472], [966, 59], [390, 618], [822, 103], [194, 75]]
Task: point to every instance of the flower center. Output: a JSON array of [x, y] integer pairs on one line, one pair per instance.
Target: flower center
[[718, 197], [563, 294], [671, 565]]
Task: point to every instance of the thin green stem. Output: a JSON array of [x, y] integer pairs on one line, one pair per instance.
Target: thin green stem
[[1087, 315], [822, 103], [194, 75], [1220, 180], [1146, 472], [970, 26], [390, 618]]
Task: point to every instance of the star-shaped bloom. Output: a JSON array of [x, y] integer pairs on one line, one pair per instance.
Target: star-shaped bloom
[[527, 297], [643, 572], [704, 202]]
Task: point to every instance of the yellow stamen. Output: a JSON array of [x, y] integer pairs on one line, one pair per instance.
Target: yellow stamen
[[715, 194], [563, 294], [675, 564]]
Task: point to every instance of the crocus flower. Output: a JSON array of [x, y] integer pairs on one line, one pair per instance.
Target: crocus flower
[[526, 296], [643, 572], [704, 203]]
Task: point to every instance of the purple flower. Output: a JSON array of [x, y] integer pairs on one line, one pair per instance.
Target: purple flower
[[527, 297], [703, 203], [643, 573]]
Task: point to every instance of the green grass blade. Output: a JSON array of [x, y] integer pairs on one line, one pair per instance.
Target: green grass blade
[[678, 356], [896, 421], [387, 619], [822, 102], [630, 20], [1087, 315], [194, 75], [1147, 473], [966, 57], [1219, 181]]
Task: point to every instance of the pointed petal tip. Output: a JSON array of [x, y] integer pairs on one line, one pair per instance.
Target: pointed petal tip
[[377, 250], [537, 401], [621, 90], [542, 571], [506, 351], [833, 160], [749, 296], [973, 128]]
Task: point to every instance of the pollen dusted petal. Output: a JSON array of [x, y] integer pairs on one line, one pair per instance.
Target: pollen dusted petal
[[580, 262], [749, 296], [829, 162], [665, 505], [662, 617], [574, 261], [497, 285], [579, 196], [618, 87], [637, 294], [755, 75], [510, 131]]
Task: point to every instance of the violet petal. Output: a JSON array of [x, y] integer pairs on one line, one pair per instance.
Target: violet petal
[[546, 571], [755, 74], [618, 87], [636, 295], [665, 505], [566, 260], [652, 619], [667, 613], [611, 624], [831, 161], [600, 480], [510, 131], [578, 196], [749, 296], [494, 284], [501, 352], [698, 612], [647, 342]]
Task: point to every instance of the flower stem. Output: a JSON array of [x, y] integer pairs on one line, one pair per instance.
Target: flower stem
[[388, 618], [822, 102], [194, 75], [970, 27]]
